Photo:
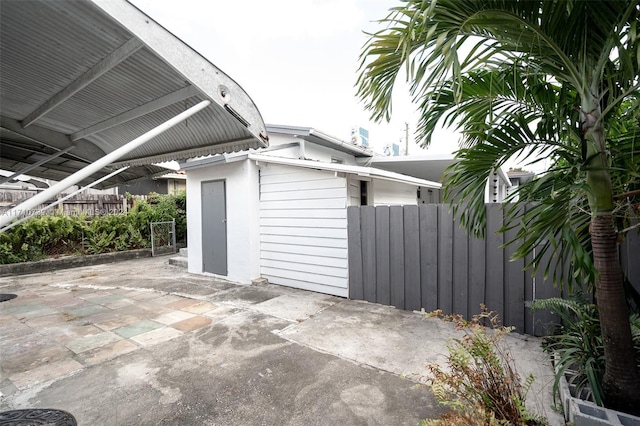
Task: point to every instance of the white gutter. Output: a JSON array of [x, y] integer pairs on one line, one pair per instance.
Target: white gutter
[[343, 168], [84, 173]]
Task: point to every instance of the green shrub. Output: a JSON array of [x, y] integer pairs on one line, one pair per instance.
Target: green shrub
[[480, 384], [577, 344], [48, 235], [41, 236]]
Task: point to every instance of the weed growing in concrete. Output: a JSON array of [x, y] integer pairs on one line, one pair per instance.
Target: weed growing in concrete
[[479, 383]]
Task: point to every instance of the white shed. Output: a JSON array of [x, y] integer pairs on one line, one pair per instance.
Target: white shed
[[281, 213]]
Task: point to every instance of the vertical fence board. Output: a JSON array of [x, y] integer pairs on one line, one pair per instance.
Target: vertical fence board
[[477, 275], [460, 282], [412, 258], [528, 297], [514, 286], [630, 257], [396, 263], [445, 259], [544, 321], [494, 295], [368, 229], [383, 289], [354, 238], [429, 256], [416, 257]]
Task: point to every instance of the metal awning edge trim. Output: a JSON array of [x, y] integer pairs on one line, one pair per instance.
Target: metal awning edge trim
[[215, 84], [343, 168], [238, 145]]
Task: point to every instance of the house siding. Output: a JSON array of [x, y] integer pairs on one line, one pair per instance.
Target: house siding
[[303, 229], [393, 193]]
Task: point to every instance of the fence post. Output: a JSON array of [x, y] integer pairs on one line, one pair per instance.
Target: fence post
[[153, 248], [173, 234]]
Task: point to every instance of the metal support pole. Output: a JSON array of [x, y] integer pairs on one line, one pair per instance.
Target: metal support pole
[[97, 165], [63, 199], [39, 163], [173, 235]]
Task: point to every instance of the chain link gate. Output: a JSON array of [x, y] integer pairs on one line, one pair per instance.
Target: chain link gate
[[163, 237]]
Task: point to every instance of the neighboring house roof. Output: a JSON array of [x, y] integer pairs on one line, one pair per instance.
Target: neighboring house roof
[[95, 75], [317, 165], [315, 136], [520, 177], [430, 167]]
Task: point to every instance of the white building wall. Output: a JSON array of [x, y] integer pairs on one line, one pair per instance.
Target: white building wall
[[303, 229], [311, 151], [328, 155], [392, 193], [243, 248]]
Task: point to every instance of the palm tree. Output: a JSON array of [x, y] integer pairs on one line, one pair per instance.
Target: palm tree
[[547, 75]]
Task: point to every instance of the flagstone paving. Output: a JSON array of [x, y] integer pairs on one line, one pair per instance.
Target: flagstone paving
[[141, 342], [49, 333]]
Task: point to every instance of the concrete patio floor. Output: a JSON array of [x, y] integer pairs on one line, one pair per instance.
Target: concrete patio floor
[[143, 342]]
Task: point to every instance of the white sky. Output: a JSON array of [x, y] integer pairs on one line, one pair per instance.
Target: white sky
[[297, 59]]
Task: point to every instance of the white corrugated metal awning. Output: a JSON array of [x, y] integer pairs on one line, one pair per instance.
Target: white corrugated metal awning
[[90, 76]]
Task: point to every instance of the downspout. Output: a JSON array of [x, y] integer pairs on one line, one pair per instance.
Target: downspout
[[84, 173]]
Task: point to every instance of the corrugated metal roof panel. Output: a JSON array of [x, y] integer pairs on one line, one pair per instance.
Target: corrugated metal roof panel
[[48, 46]]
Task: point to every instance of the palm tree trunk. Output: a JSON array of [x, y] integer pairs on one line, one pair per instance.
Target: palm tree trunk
[[622, 376]]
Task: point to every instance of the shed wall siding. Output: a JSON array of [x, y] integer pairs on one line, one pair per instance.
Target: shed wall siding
[[393, 193], [303, 229], [241, 180]]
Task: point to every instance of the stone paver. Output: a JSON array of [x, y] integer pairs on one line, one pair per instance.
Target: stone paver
[[87, 343], [173, 317], [156, 336], [44, 373], [183, 303], [86, 311], [200, 308], [120, 321], [192, 323], [107, 352], [137, 328]]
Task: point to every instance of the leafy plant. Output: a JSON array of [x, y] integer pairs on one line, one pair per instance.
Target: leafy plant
[[534, 78], [47, 235], [480, 383], [578, 346], [41, 236]]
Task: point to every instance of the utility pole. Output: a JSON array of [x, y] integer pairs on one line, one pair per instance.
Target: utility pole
[[406, 138]]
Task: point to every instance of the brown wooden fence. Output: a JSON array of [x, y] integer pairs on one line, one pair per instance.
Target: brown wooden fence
[[417, 257], [87, 204]]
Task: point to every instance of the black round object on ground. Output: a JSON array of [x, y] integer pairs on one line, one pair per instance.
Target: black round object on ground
[[4, 297], [34, 417]]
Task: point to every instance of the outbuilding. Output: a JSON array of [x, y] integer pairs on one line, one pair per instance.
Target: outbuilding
[[280, 213]]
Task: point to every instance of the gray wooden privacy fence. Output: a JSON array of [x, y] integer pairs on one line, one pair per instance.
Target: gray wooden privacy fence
[[87, 204], [418, 257]]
